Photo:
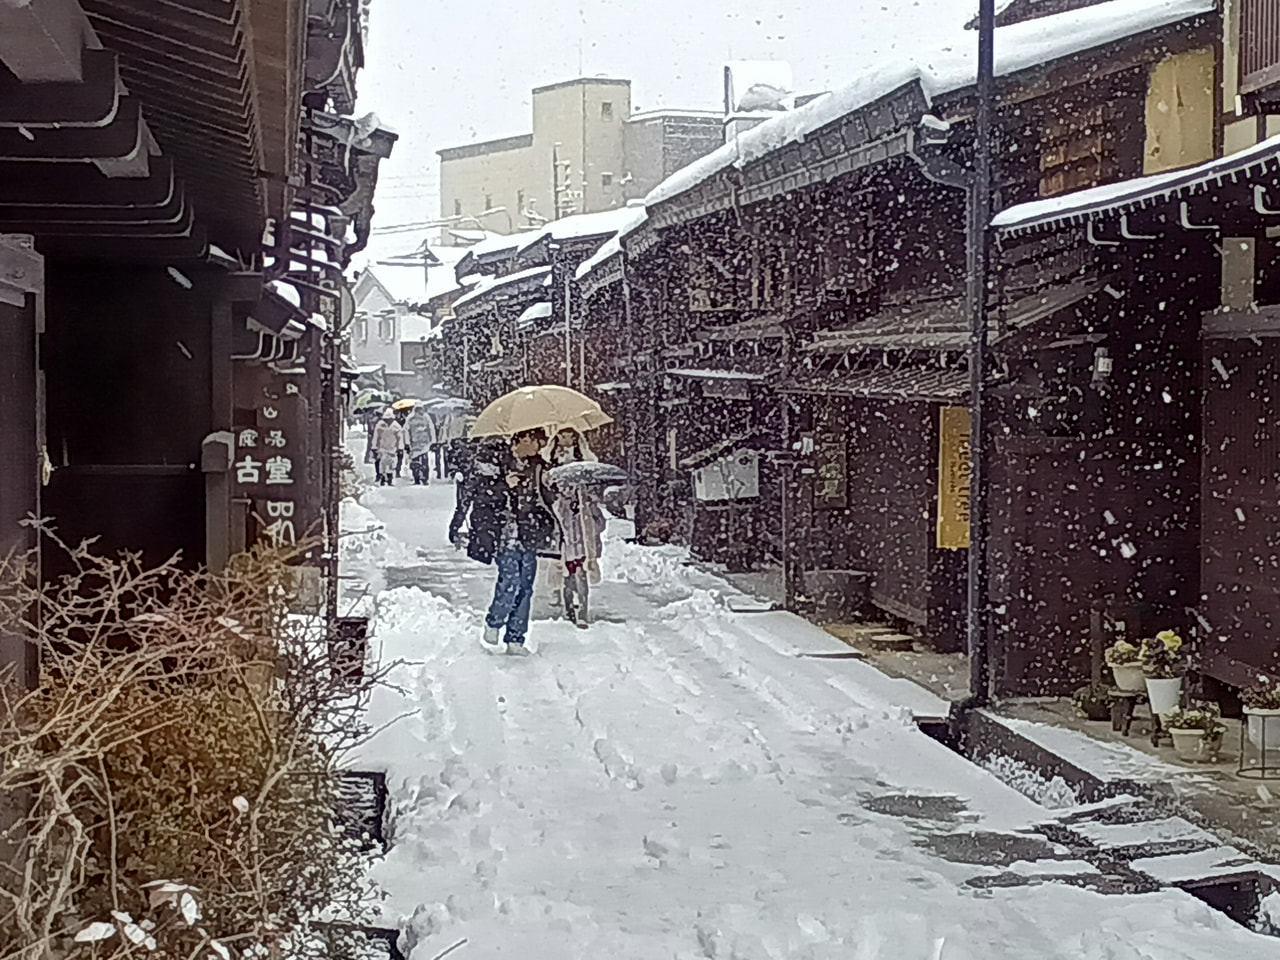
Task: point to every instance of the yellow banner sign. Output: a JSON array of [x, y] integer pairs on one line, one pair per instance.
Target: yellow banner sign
[[954, 466]]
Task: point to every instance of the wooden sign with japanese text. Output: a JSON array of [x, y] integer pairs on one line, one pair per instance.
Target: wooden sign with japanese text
[[954, 466], [831, 456]]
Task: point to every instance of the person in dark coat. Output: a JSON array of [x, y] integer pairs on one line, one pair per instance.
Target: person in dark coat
[[511, 522]]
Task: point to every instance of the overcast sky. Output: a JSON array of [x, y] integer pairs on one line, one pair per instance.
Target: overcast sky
[[447, 72]]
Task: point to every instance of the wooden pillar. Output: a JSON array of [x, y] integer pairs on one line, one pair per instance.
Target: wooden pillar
[[21, 418]]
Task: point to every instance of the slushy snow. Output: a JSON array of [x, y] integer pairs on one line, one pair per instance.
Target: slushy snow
[[680, 781]]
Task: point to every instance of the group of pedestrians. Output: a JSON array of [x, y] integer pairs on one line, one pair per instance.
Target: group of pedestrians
[[409, 434], [518, 516]]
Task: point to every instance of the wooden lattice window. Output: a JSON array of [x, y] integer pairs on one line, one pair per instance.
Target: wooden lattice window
[[1259, 44]]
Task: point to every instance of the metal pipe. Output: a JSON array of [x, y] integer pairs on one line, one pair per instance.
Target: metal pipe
[[979, 275], [568, 341]]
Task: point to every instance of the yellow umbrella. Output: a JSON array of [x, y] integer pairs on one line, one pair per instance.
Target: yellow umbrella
[[407, 403], [539, 408]]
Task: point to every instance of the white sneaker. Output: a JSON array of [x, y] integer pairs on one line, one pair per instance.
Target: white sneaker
[[492, 635], [516, 650]]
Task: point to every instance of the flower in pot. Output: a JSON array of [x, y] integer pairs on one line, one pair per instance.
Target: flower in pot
[[1122, 658], [1197, 732], [1262, 709], [1161, 665], [1094, 701]]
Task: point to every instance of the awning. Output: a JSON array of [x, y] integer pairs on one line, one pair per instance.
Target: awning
[[902, 384], [943, 324], [717, 450], [510, 284], [708, 374], [534, 313], [1190, 199]]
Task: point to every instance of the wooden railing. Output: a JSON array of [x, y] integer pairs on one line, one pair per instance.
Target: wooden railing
[[1259, 44]]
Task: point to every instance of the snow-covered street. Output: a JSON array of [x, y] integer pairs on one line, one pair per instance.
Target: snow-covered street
[[680, 780]]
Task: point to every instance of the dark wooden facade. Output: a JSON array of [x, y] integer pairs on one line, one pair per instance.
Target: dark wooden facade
[[833, 270], [147, 150]]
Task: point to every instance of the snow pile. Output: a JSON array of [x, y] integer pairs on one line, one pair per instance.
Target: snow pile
[[1054, 794], [613, 246], [952, 68], [667, 784]]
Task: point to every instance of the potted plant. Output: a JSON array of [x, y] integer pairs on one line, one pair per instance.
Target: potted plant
[[1161, 666], [1262, 710], [1122, 658], [1196, 732], [1094, 701]]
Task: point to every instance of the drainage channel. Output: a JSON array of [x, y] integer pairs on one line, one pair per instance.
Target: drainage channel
[[1240, 888]]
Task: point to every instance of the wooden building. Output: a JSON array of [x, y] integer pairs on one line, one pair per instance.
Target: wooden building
[[160, 165], [823, 267]]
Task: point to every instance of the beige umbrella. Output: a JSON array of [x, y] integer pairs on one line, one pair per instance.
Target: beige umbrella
[[539, 408]]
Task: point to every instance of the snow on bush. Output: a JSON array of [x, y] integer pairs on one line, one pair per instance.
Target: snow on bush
[[186, 726]]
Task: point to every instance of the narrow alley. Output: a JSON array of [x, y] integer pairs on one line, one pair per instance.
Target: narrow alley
[[680, 780]]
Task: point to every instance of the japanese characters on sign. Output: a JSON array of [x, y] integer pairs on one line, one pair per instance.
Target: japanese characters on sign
[[266, 468], [830, 448], [954, 466]]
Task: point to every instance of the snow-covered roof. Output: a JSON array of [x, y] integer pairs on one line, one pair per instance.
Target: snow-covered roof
[[582, 225], [497, 243], [659, 113], [745, 77], [613, 246], [701, 373], [286, 291], [489, 284], [415, 327], [1017, 47], [539, 311], [405, 284], [1132, 195]]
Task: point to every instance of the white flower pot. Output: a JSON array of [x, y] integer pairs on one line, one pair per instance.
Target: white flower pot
[[1194, 746], [1164, 694], [1264, 721], [1187, 744], [1129, 678]]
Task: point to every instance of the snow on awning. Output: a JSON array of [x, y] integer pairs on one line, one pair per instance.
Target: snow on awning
[[531, 315], [287, 291], [708, 374], [1245, 169], [900, 384], [944, 324], [498, 284]]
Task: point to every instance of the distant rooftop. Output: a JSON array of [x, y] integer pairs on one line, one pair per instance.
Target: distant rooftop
[[522, 142], [583, 81], [659, 113]]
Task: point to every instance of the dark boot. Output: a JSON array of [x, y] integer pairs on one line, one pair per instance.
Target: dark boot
[[581, 587]]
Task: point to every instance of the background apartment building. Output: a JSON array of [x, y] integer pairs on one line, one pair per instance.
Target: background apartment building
[[587, 153]]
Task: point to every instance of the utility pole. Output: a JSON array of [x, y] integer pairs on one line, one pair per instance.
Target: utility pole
[[979, 273]]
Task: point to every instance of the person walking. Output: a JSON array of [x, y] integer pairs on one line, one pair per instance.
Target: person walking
[[471, 461], [511, 522], [388, 443], [419, 439], [581, 520], [402, 416]]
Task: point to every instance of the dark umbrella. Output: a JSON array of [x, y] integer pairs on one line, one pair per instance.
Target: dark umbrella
[[585, 473]]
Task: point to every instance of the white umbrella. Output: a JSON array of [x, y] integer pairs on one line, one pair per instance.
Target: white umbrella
[[547, 408]]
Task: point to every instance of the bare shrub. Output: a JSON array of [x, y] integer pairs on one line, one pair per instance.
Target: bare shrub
[[179, 756]]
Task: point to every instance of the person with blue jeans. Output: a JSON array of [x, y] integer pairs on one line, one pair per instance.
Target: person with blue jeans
[[511, 523]]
